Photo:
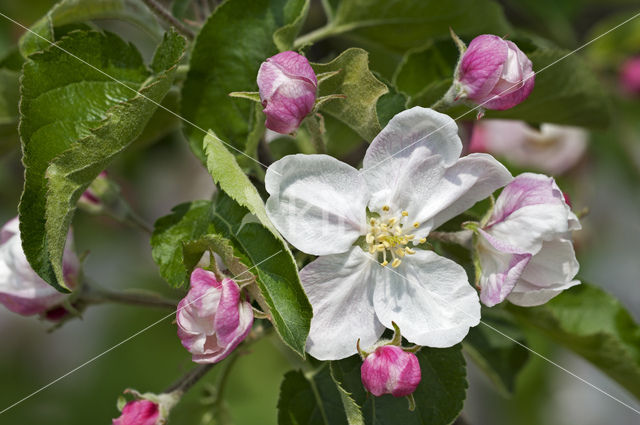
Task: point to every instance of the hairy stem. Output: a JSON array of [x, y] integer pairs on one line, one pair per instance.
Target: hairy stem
[[96, 295], [166, 16]]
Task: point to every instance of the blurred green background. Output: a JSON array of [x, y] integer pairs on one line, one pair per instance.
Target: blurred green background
[[156, 177]]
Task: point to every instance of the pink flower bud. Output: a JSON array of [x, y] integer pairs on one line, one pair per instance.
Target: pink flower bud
[[139, 412], [494, 73], [287, 86], [390, 370], [213, 318], [21, 289], [90, 196], [630, 76], [553, 149]]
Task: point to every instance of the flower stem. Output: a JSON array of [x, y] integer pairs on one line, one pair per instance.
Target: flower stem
[[315, 126], [95, 295], [190, 378], [162, 13]]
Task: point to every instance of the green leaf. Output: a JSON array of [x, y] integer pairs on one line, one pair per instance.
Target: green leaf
[[361, 88], [311, 400], [499, 358], [285, 36], [74, 121], [593, 324], [68, 12], [274, 266], [226, 56], [187, 222], [227, 173], [351, 408], [402, 24], [421, 66], [391, 103], [193, 251], [439, 397]]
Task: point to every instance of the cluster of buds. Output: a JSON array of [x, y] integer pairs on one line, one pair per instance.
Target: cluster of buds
[[389, 368]]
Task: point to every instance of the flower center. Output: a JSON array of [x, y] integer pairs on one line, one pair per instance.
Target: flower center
[[390, 235]]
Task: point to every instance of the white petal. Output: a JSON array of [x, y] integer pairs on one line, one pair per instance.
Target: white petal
[[340, 289], [529, 211], [317, 202], [428, 297], [502, 266], [471, 179], [548, 273], [415, 128]]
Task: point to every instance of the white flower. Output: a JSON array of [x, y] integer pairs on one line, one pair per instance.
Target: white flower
[[370, 272], [553, 149], [525, 249]]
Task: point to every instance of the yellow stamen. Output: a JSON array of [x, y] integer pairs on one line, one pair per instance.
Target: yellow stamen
[[416, 224], [405, 213], [396, 263]]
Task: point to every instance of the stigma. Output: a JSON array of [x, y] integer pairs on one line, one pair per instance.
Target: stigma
[[389, 237]]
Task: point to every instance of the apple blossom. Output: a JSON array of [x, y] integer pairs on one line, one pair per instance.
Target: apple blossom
[[525, 250], [21, 289], [553, 148], [630, 75], [139, 412], [288, 87], [213, 318], [494, 73], [390, 370], [412, 181]]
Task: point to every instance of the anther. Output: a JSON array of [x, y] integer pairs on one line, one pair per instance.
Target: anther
[[416, 224], [405, 213], [396, 262], [385, 208]]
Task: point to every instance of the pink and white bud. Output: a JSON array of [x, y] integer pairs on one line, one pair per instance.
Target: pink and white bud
[[525, 249], [630, 76], [494, 73], [391, 370], [91, 196], [213, 318], [553, 149], [139, 412], [288, 88], [21, 289]]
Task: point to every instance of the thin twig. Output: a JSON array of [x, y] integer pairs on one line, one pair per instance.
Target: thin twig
[[165, 15], [189, 379], [96, 295]]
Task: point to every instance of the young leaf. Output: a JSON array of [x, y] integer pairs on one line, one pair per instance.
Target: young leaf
[[500, 358], [241, 217], [68, 12], [187, 222], [439, 397], [274, 266], [593, 324], [226, 57], [311, 401], [74, 120], [361, 88]]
